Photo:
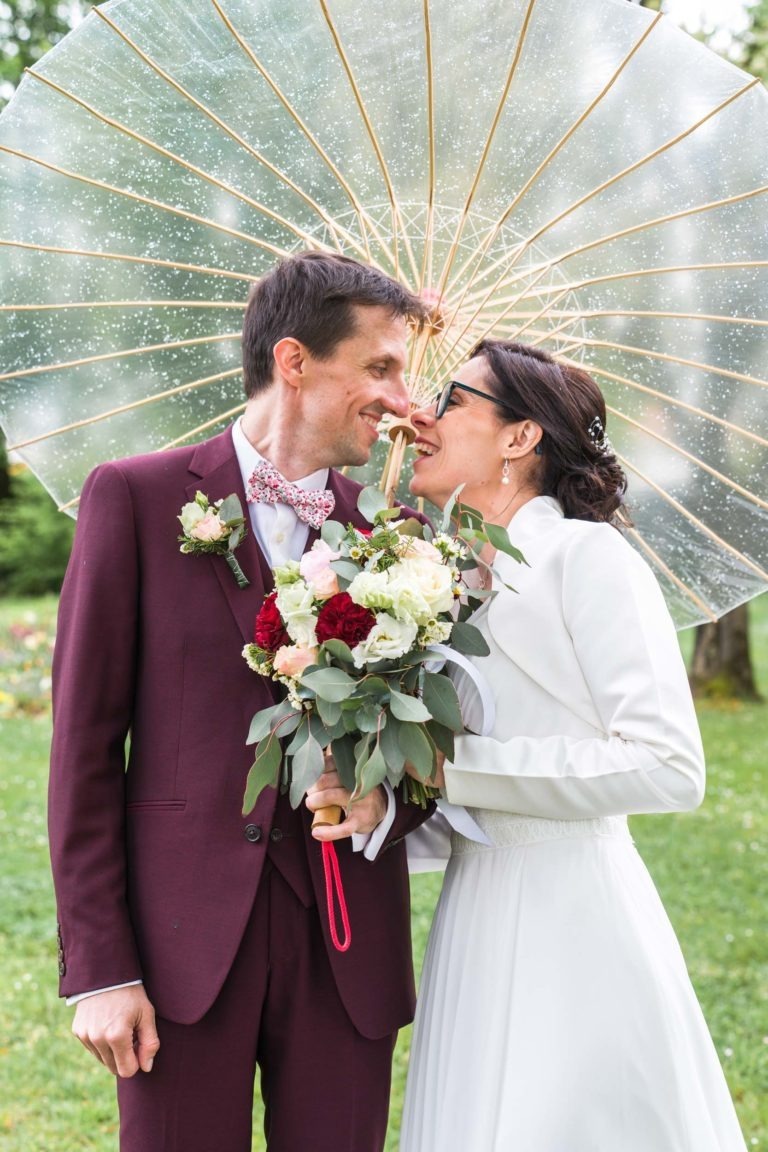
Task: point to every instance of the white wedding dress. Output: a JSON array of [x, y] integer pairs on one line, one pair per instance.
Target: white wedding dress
[[555, 1012]]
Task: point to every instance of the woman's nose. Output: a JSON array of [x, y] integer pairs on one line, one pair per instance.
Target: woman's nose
[[424, 417]]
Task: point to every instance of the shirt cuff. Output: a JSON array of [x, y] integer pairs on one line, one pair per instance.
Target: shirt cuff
[[96, 991], [371, 843]]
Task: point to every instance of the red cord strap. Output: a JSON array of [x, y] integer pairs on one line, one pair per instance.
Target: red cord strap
[[333, 881]]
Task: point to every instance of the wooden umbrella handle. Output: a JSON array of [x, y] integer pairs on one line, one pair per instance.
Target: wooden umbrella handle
[[327, 817]]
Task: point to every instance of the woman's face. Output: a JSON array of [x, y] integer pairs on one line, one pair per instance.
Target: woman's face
[[466, 446]]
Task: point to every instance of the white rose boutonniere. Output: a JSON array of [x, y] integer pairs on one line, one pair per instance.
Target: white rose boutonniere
[[214, 528]]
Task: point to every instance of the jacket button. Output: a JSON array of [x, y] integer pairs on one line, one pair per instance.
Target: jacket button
[[62, 968], [252, 833], [276, 835]]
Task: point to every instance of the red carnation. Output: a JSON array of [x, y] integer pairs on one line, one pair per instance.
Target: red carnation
[[270, 632], [341, 619]]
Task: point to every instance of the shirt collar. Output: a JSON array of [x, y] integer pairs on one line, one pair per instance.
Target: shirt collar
[[248, 458]]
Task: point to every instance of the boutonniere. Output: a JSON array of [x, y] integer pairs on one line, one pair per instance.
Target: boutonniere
[[214, 528]]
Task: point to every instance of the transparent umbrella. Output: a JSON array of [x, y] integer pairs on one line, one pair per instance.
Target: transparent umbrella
[[577, 174]]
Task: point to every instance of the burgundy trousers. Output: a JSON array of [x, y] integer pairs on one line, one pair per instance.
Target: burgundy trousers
[[325, 1087]]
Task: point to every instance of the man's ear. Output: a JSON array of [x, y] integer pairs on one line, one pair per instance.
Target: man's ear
[[290, 355]]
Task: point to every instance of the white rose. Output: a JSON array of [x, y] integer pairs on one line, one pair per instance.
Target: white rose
[[371, 590], [387, 640], [191, 514], [420, 590], [295, 603]]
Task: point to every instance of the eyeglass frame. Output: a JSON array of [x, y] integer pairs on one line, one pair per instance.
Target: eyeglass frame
[[444, 396]]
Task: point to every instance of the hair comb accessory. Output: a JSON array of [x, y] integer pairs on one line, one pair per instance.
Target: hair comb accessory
[[596, 433]]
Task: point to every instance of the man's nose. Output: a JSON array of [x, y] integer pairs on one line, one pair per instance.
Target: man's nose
[[398, 398]]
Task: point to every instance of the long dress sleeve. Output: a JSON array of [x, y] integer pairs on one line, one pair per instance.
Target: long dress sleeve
[[648, 756]]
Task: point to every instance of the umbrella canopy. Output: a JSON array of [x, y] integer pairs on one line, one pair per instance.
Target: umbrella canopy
[[576, 174]]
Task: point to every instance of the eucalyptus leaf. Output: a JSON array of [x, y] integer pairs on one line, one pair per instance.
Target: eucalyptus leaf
[[469, 640], [299, 740], [231, 509], [449, 507], [306, 769], [369, 718], [411, 527], [331, 683], [263, 773], [370, 501], [408, 708], [338, 650], [390, 747], [439, 696], [372, 773], [499, 538], [343, 750], [387, 514], [442, 737], [332, 533], [262, 721], [374, 685], [417, 749], [345, 569], [329, 712]]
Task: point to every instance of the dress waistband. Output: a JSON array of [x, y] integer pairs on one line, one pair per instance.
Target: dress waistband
[[506, 831]]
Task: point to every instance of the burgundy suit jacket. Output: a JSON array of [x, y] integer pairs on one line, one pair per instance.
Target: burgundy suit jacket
[[154, 875]]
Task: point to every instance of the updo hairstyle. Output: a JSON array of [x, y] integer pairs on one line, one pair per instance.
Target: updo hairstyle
[[576, 463]]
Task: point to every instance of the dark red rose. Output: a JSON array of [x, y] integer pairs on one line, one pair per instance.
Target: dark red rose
[[270, 632], [341, 619]]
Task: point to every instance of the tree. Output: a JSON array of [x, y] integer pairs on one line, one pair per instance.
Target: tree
[[28, 28]]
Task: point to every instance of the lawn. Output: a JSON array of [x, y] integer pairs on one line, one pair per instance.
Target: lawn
[[711, 867]]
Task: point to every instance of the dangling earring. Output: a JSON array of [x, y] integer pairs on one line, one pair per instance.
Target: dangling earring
[[505, 472]]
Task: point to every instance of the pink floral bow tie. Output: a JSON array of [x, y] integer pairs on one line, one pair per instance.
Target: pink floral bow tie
[[267, 486]]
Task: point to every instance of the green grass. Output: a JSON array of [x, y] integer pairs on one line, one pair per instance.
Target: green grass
[[711, 868]]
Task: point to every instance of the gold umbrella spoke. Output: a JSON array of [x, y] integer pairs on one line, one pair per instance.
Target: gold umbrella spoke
[[233, 135], [598, 99], [398, 227], [534, 236], [690, 456], [653, 554], [600, 313], [668, 357], [363, 217], [425, 279], [161, 204], [126, 408], [694, 519], [64, 307], [177, 266], [120, 354]]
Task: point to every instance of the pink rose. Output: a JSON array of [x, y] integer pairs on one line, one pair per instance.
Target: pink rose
[[292, 659], [210, 528], [423, 548], [315, 567]]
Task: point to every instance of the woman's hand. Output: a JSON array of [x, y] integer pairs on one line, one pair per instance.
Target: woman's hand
[[437, 779]]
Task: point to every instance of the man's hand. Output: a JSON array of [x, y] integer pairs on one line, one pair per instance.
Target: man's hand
[[437, 779], [362, 815], [118, 1027]]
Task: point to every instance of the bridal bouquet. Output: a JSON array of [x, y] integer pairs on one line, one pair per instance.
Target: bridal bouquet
[[350, 632]]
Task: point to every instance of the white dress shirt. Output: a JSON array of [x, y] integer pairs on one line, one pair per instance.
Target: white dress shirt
[[282, 536]]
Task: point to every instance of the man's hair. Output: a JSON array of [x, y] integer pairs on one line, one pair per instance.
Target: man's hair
[[312, 297]]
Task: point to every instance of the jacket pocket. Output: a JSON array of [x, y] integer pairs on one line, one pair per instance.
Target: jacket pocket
[[156, 806]]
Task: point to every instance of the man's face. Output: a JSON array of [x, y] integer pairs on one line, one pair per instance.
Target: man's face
[[345, 396]]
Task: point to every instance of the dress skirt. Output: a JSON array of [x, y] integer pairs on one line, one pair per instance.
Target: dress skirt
[[555, 1012]]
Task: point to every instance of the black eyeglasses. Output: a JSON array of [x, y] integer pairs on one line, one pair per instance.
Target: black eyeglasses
[[444, 399]]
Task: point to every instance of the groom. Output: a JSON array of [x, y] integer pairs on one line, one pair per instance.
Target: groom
[[195, 941]]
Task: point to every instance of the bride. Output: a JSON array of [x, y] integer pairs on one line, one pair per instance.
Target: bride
[[555, 1012]]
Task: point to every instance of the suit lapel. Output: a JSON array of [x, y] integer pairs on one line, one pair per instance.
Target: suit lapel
[[215, 464]]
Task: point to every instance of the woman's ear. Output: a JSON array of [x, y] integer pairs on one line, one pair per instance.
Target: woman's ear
[[523, 438]]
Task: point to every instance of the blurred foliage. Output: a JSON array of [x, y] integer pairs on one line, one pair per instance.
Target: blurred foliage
[[753, 43], [35, 539], [28, 28]]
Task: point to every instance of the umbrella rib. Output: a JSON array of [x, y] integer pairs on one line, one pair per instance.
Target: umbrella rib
[[215, 119], [695, 520], [426, 266], [597, 313], [249, 277], [690, 456], [397, 222], [363, 217], [40, 368], [653, 354], [189, 167], [480, 253], [122, 304], [489, 141], [646, 224], [523, 247], [151, 203], [709, 612], [125, 408]]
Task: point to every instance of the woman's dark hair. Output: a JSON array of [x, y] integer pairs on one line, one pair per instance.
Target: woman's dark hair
[[312, 297], [577, 464]]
